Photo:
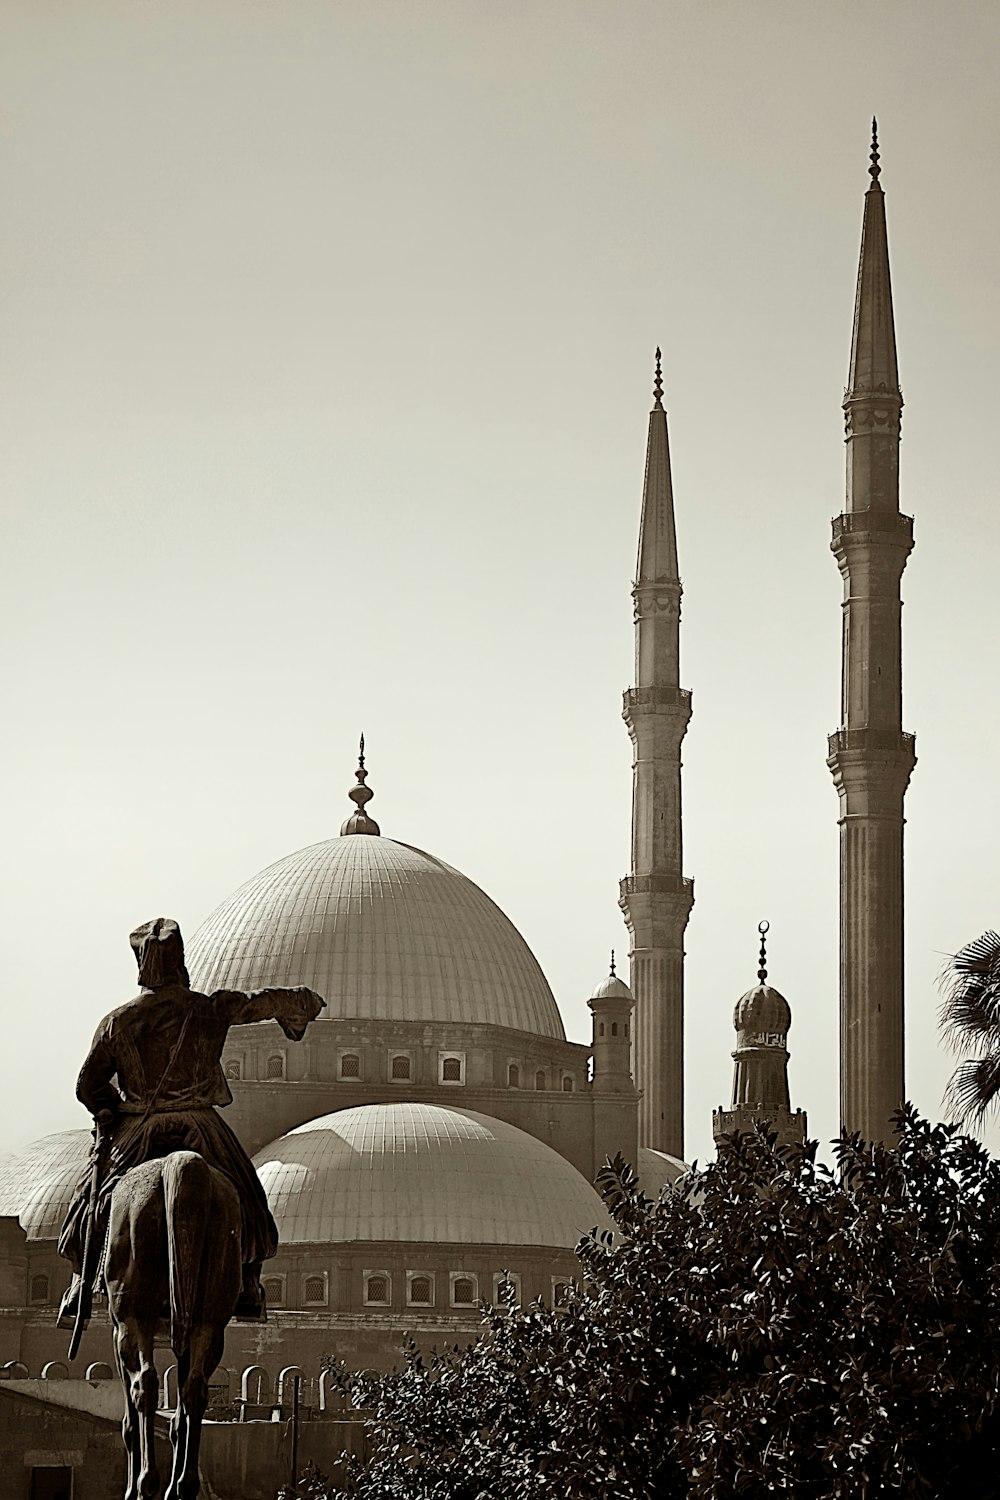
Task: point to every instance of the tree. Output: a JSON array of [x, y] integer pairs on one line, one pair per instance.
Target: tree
[[970, 1018], [772, 1326]]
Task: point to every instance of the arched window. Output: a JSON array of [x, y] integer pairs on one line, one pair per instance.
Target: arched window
[[350, 1065], [274, 1290], [567, 1085], [513, 1076], [314, 1289], [275, 1066], [451, 1070], [401, 1067], [464, 1291], [233, 1070], [601, 1031], [420, 1291], [39, 1289], [626, 1028], [378, 1289], [539, 1080], [561, 1292], [614, 1028]]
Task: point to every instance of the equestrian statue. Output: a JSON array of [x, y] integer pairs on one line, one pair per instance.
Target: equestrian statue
[[170, 1220]]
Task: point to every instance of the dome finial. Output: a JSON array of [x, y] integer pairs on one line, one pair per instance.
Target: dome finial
[[874, 170], [658, 379], [612, 963], [360, 795], [763, 928]]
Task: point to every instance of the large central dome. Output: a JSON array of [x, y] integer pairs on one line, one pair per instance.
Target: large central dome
[[382, 931]]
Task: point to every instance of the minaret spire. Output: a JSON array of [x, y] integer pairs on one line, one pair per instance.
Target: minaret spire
[[870, 757], [655, 897]]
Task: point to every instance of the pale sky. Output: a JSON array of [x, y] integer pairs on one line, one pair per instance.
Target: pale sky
[[326, 358]]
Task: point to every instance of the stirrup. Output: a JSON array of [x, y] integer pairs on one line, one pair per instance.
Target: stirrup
[[70, 1304]]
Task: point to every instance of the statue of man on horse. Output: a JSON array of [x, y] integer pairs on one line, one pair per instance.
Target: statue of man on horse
[[171, 1220], [153, 1081]]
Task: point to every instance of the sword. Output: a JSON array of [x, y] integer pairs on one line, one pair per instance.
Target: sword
[[90, 1247]]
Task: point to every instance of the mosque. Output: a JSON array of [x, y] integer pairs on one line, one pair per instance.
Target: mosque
[[436, 1134]]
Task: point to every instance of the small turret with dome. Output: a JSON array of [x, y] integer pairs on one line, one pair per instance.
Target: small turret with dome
[[762, 1019], [611, 1005]]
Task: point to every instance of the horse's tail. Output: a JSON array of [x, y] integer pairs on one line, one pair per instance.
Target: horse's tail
[[187, 1196]]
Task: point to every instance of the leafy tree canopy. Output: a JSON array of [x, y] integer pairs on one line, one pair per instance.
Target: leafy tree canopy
[[770, 1326]]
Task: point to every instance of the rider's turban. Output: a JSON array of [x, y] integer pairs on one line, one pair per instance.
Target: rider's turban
[[159, 952]]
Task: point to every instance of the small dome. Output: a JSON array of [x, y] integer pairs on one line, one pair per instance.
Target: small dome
[[613, 988], [762, 1010], [38, 1183], [422, 1173], [656, 1170], [383, 932]]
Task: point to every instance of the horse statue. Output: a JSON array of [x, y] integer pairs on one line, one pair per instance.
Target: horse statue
[[172, 1263], [170, 1219]]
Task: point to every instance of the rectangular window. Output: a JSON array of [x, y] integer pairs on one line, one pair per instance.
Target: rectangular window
[[315, 1290], [274, 1290], [503, 1286], [419, 1289], [451, 1067], [378, 1289], [464, 1289]]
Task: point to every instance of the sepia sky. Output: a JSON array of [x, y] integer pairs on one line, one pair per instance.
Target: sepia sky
[[326, 348]]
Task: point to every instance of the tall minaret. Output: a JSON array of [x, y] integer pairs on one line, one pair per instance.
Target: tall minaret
[[655, 898], [870, 756]]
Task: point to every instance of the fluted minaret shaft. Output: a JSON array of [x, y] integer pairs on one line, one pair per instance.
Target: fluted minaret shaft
[[655, 897], [870, 757]]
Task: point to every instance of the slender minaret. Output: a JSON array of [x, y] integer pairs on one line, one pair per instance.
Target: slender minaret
[[655, 898], [762, 1019], [870, 756]]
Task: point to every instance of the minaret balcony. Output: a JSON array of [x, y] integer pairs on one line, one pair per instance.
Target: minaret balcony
[[658, 699], [877, 741], [855, 521]]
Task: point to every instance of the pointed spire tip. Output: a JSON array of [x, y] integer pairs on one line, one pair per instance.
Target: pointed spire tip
[[763, 928], [875, 170], [658, 379], [360, 795]]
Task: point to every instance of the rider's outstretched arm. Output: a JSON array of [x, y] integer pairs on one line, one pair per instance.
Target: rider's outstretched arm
[[293, 1008]]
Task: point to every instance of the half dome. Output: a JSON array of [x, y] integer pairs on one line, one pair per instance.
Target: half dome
[[38, 1183], [381, 931], [421, 1173]]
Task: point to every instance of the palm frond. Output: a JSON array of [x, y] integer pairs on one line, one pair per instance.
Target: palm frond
[[972, 1088], [970, 987]]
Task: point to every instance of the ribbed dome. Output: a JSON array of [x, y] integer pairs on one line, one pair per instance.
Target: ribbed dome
[[762, 1009], [37, 1184], [382, 931], [613, 988], [418, 1172]]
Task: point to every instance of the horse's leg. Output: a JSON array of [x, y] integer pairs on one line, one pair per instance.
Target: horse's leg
[[204, 1354], [134, 1351], [130, 1428], [134, 1274], [180, 1428]]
